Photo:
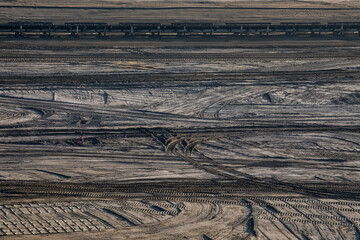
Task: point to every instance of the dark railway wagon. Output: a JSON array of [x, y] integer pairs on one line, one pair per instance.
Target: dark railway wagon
[[77, 29]]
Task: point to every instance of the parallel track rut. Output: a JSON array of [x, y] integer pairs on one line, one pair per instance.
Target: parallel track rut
[[166, 59]]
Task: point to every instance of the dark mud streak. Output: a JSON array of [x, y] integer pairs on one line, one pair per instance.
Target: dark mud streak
[[251, 227], [291, 231], [206, 237], [357, 233], [119, 216], [272, 209], [157, 208], [106, 97], [100, 219], [38, 111], [304, 237], [53, 173]]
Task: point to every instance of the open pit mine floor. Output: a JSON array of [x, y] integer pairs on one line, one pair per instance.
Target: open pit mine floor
[[180, 139]]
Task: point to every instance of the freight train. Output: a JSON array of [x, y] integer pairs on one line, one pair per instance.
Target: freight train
[[103, 30]]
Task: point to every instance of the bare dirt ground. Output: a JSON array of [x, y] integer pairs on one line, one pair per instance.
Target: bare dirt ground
[[164, 11], [180, 139]]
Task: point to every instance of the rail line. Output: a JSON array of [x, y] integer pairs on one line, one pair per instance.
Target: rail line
[[248, 77], [160, 59], [183, 7], [149, 29]]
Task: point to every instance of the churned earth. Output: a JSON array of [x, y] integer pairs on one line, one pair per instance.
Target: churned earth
[[208, 138]]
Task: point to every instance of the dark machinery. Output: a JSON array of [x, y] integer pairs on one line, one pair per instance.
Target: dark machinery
[[103, 30]]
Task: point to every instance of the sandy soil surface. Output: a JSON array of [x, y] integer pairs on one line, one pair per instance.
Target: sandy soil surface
[[166, 140], [218, 12], [183, 138]]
